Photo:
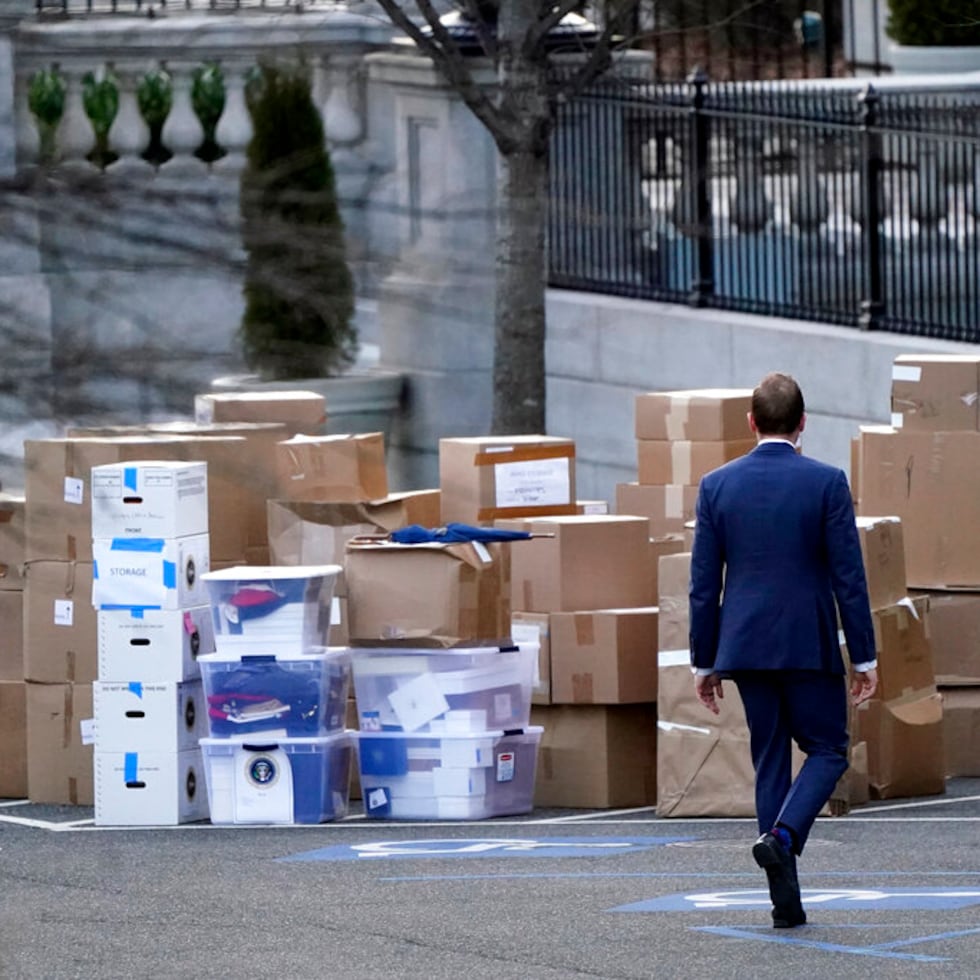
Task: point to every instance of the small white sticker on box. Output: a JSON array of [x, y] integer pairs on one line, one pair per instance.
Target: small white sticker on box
[[86, 728], [906, 372], [74, 490], [64, 612]]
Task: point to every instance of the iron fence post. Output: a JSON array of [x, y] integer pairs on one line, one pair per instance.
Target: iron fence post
[[872, 303], [703, 284]]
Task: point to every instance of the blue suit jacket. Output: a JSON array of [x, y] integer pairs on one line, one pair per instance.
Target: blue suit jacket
[[775, 545]]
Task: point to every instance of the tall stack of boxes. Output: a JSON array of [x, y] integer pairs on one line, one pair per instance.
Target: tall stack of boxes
[[276, 749], [924, 469], [150, 548], [13, 691]]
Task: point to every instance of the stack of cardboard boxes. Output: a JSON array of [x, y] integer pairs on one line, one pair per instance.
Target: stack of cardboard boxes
[[581, 592], [680, 436], [150, 548], [13, 693], [923, 469]]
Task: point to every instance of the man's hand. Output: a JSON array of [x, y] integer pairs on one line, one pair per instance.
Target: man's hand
[[864, 685], [708, 688]]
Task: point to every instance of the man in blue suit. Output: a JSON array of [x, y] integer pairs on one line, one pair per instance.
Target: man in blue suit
[[776, 558]]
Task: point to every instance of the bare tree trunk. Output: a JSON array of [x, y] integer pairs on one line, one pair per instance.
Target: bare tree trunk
[[519, 364]]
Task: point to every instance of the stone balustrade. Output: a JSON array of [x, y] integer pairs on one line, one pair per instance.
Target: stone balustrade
[[333, 41]]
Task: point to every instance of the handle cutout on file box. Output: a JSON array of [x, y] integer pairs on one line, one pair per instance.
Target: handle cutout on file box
[[139, 641], [132, 500], [135, 714]]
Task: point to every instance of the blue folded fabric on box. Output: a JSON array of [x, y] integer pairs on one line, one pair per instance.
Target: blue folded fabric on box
[[454, 533]]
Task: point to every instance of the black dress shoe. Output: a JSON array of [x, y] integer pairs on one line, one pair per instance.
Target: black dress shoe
[[784, 888]]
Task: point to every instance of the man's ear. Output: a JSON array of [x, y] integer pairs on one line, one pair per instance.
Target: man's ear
[[802, 422], [752, 424]]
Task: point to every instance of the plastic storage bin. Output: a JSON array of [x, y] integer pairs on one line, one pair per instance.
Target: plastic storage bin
[[460, 690], [452, 777], [282, 607], [281, 695], [288, 781]]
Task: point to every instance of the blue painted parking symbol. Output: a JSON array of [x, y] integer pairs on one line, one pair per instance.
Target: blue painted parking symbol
[[828, 898], [484, 847]]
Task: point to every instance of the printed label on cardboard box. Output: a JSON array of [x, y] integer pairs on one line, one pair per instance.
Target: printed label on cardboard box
[[533, 482], [74, 490]]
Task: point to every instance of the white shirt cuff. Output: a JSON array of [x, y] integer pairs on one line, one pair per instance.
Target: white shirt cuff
[[702, 671], [865, 667]]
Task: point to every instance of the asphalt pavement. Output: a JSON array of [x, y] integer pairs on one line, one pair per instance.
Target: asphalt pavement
[[892, 889]]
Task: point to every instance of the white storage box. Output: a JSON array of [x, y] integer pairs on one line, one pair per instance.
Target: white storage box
[[147, 789], [455, 690], [280, 695], [150, 573], [154, 716], [153, 644], [149, 499], [287, 781], [452, 777], [285, 608]]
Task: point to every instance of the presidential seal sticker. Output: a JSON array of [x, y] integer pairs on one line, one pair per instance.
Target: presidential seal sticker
[[262, 771]]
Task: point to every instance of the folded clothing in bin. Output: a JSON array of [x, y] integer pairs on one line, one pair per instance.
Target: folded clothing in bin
[[292, 695], [287, 781], [447, 777]]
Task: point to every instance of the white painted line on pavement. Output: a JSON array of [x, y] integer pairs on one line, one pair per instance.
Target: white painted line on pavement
[[933, 801], [591, 817]]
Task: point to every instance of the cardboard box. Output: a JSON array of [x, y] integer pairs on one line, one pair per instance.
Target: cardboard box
[[698, 413], [153, 644], [338, 467], [961, 730], [608, 656], [12, 535], [59, 760], [667, 507], [155, 716], [149, 499], [428, 594], [13, 738], [529, 627], [904, 649], [59, 498], [927, 480], [906, 753], [484, 478], [586, 562], [302, 411], [883, 551], [60, 631], [596, 756], [149, 789], [936, 392], [662, 461], [313, 532], [671, 544], [163, 573], [11, 635], [954, 634]]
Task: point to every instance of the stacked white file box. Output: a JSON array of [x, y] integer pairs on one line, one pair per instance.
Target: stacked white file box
[[150, 548], [276, 751]]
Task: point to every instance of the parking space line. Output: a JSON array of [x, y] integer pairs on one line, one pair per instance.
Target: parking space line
[[873, 951]]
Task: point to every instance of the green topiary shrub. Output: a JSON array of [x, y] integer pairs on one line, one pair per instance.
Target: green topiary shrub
[[952, 23], [299, 292]]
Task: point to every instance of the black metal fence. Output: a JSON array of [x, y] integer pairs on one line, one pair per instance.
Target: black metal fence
[[837, 201]]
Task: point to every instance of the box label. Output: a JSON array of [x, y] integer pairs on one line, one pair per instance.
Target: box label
[[532, 482], [74, 490], [64, 612], [505, 767]]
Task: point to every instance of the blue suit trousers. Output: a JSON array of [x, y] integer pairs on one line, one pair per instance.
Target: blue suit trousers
[[808, 707]]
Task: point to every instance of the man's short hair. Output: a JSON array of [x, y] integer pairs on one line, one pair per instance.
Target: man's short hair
[[777, 405]]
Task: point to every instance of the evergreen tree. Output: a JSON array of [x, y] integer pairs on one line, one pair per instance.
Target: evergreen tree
[[299, 292]]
